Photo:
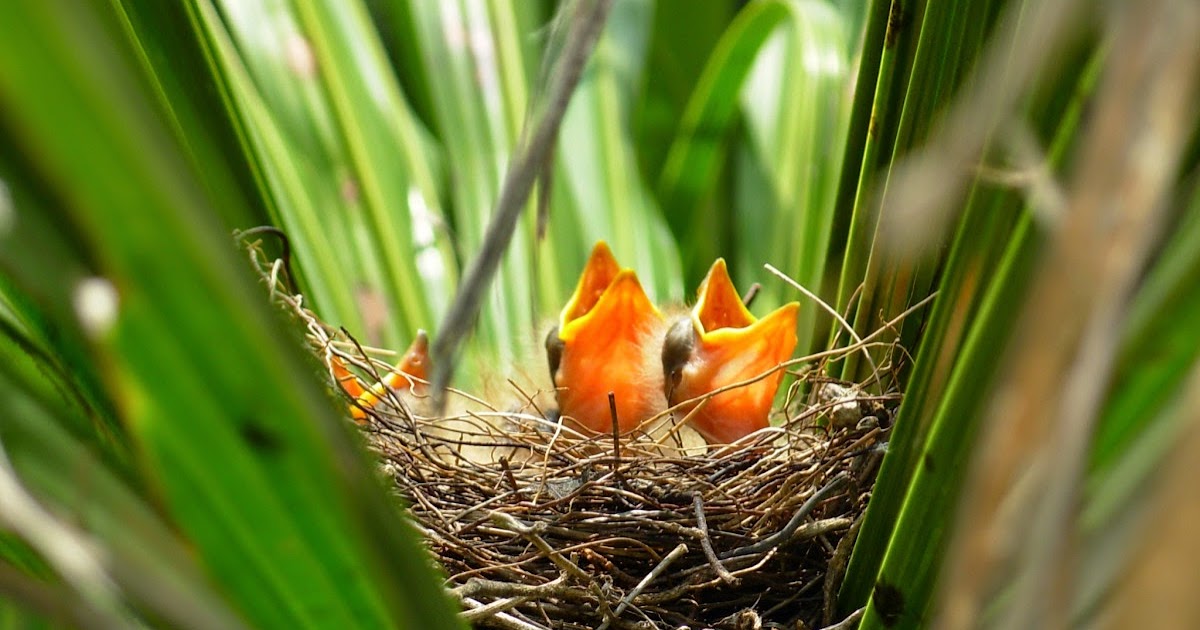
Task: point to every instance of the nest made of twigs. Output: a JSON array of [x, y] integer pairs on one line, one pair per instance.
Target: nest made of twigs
[[539, 528], [582, 540]]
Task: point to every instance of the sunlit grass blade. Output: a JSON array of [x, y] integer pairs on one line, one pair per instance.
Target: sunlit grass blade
[[477, 103], [698, 150], [179, 74], [598, 169], [899, 581], [343, 158], [889, 47], [295, 191], [389, 161], [291, 521], [796, 108], [953, 370], [1051, 409], [948, 37]]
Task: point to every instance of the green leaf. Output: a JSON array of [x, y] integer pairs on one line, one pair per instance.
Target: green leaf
[[291, 521], [928, 52], [683, 37], [980, 293], [598, 168], [1159, 348], [689, 173], [42, 333], [351, 172], [796, 109], [175, 63], [144, 555], [15, 615]]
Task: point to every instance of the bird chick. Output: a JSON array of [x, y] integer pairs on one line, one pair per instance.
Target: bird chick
[[606, 341], [719, 344], [408, 376]]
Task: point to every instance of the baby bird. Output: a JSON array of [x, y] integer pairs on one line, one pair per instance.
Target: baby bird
[[606, 341], [722, 343], [400, 379], [611, 338]]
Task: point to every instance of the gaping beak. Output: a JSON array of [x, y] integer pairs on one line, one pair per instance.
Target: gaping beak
[[722, 343], [605, 342], [402, 378]]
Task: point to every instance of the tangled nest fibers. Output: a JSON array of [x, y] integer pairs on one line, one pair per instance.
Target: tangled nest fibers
[[540, 529]]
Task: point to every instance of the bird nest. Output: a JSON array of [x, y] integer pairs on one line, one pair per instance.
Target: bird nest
[[537, 527], [579, 536]]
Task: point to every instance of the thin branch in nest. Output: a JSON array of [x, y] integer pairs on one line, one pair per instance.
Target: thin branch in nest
[[749, 569], [658, 570], [616, 437], [800, 592], [529, 399], [821, 527], [508, 474], [531, 534], [285, 256], [515, 594], [848, 622], [502, 619], [836, 569], [706, 542], [865, 342], [786, 533], [828, 309], [485, 611], [751, 293]]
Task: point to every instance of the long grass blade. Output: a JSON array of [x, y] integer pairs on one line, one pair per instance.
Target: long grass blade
[[953, 367], [291, 522]]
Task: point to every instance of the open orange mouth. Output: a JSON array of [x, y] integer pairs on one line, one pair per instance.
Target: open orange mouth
[[722, 343], [606, 341], [611, 339]]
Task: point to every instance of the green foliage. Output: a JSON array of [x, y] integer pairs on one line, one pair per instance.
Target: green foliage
[[230, 427], [954, 368]]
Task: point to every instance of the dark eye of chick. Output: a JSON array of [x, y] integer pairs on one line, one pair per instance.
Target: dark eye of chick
[[677, 348], [554, 351]]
